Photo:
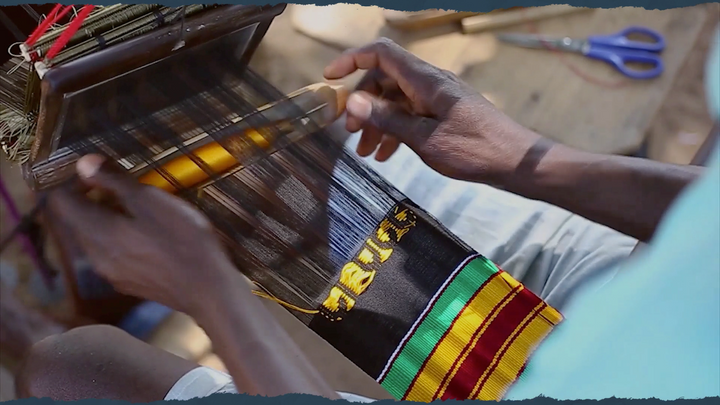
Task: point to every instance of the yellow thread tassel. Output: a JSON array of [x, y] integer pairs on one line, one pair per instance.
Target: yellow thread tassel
[[283, 303]]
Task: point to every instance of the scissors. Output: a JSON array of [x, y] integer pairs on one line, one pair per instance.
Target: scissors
[[615, 49]]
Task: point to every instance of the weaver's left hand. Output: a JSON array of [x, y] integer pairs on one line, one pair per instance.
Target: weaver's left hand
[[156, 247]]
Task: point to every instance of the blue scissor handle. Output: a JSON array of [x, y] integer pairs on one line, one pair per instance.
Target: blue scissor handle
[[619, 57], [620, 40]]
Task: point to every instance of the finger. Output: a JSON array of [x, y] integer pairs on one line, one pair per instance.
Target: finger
[[390, 118], [89, 220], [353, 124], [371, 82], [98, 172], [398, 97], [379, 84], [388, 146], [382, 54], [375, 82], [412, 74], [369, 141]]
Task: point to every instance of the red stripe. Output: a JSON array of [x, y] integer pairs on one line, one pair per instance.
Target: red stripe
[[468, 345], [478, 291], [437, 296], [524, 366], [510, 343], [522, 370], [489, 344]]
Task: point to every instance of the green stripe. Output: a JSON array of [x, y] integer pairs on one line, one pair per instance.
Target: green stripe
[[436, 323]]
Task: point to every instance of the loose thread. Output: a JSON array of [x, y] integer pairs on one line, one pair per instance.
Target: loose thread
[[284, 303], [181, 35], [31, 12]]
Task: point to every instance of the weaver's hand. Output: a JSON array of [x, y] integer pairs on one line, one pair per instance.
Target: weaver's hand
[[158, 247], [450, 126], [154, 246]]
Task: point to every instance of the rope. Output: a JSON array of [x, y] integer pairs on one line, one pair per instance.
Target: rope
[[69, 31]]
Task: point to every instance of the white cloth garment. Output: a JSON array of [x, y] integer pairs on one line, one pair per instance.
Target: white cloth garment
[[203, 382]]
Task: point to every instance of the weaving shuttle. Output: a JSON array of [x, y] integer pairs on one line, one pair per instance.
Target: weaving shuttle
[[306, 221]]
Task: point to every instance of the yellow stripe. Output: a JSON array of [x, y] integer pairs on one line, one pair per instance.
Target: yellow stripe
[[451, 346], [515, 356], [552, 315], [512, 283]]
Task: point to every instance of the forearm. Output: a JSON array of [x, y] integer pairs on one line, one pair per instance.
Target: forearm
[[627, 194], [258, 353]]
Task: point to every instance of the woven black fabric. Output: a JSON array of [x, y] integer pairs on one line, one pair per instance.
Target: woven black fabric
[[370, 332], [291, 218]]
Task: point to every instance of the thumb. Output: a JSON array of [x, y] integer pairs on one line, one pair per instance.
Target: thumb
[[390, 118], [107, 179]]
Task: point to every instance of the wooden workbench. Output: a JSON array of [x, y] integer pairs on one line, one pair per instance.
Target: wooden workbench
[[535, 87]]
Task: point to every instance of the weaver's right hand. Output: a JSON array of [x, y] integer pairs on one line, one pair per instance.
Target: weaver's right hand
[[403, 99]]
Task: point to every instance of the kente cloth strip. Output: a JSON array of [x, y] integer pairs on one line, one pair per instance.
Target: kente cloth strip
[[310, 224]]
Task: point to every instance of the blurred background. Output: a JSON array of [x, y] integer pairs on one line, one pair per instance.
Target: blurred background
[[574, 100]]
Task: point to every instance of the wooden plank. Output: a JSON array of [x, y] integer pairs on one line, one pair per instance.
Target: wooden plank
[[493, 21], [406, 20], [340, 26], [537, 89], [684, 121]]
